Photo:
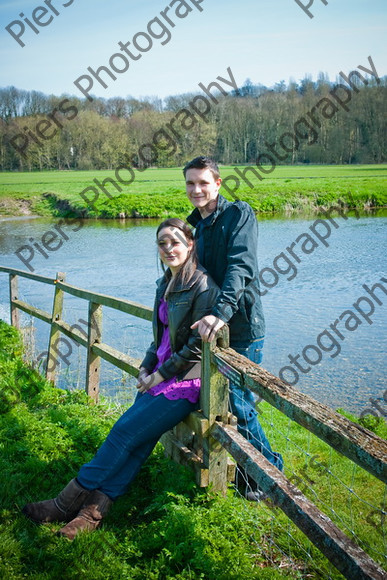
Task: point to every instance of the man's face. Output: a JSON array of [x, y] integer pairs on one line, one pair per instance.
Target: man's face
[[202, 190]]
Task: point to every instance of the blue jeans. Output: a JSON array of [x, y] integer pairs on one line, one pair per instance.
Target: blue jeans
[[131, 441], [242, 404]]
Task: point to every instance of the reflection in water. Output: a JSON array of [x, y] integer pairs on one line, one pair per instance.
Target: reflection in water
[[303, 295]]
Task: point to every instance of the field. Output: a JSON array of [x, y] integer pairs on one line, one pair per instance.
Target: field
[[160, 192], [165, 527]]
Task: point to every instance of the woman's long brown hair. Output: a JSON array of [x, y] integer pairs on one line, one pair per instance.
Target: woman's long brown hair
[[189, 267]]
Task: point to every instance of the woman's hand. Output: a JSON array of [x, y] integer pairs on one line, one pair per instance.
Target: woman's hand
[[143, 373], [147, 381], [142, 379]]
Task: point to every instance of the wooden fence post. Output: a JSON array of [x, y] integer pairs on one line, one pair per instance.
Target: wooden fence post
[[93, 360], [57, 309], [14, 295], [214, 405]]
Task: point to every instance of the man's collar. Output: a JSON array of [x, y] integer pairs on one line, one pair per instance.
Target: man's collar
[[194, 218]]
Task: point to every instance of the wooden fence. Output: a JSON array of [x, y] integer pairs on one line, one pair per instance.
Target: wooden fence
[[207, 438]]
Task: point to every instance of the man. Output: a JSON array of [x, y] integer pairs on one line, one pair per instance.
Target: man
[[226, 240]]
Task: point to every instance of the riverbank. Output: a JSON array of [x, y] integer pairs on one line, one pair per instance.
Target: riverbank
[[164, 527], [159, 193]]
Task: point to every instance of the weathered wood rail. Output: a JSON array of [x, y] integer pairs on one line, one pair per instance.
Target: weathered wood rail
[[352, 440], [206, 439]]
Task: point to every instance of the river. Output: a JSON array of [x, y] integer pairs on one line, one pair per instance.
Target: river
[[346, 364]]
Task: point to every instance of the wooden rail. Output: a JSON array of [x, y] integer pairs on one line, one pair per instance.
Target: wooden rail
[[348, 558], [206, 439], [102, 299], [96, 349], [352, 440]]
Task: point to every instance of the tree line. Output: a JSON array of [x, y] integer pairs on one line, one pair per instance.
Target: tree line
[[104, 133]]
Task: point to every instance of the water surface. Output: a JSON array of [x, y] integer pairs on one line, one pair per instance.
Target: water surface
[[119, 258]]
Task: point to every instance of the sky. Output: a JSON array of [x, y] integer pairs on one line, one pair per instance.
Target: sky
[[264, 40]]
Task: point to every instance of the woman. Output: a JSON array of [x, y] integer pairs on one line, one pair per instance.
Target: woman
[[168, 389]]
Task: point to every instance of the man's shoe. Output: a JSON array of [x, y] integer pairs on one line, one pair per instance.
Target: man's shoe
[[257, 495]]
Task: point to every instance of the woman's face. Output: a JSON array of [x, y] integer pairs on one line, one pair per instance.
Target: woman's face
[[173, 248]]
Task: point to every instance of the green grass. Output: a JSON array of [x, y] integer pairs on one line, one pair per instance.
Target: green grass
[[164, 527], [160, 192]]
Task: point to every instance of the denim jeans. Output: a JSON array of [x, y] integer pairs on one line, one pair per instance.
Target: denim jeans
[[131, 441], [242, 405]]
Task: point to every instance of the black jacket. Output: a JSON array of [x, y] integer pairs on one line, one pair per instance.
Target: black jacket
[[186, 305], [227, 245]]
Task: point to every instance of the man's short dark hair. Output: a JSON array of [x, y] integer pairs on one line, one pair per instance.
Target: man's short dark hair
[[203, 162]]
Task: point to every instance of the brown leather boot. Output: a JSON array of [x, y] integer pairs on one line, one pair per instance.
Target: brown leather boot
[[94, 509], [63, 508]]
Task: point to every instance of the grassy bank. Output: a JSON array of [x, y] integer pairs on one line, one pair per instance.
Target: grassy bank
[[164, 527], [160, 192]]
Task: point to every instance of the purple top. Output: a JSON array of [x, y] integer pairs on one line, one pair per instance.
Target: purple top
[[170, 388]]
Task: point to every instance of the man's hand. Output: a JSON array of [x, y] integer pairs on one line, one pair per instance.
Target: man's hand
[[147, 381], [208, 326]]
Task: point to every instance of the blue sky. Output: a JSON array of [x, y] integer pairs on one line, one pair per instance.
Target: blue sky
[[264, 40]]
